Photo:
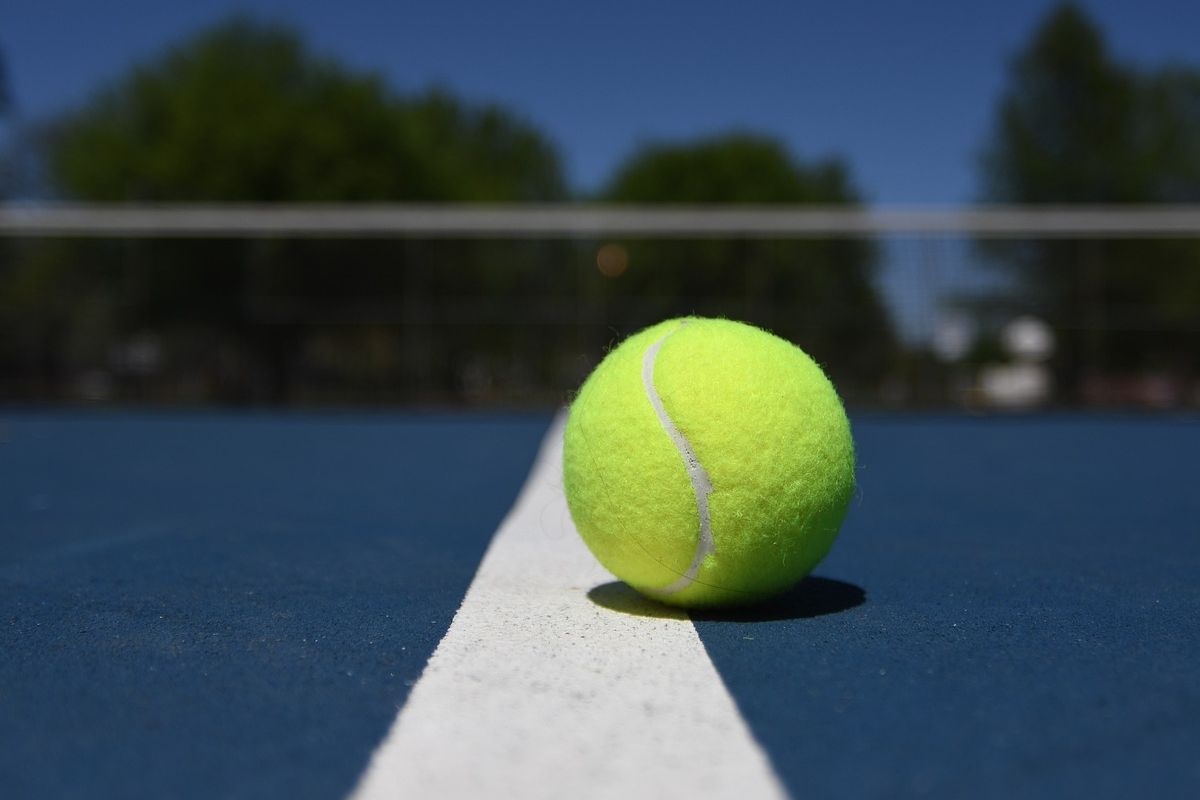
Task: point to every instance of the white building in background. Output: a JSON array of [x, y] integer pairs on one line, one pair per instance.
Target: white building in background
[[1026, 382]]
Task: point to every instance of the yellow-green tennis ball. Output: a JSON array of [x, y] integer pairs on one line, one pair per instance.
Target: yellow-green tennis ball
[[707, 462]]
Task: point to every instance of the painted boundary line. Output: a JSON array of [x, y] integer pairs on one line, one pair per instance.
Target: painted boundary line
[[582, 220], [537, 692]]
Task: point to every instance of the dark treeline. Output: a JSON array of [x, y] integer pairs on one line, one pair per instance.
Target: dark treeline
[[1077, 126], [245, 112]]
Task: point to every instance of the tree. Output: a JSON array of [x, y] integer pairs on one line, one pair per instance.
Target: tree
[[1077, 126], [7, 168], [245, 112], [818, 293], [1066, 127], [5, 93]]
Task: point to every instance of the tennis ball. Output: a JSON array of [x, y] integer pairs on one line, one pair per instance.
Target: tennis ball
[[707, 462]]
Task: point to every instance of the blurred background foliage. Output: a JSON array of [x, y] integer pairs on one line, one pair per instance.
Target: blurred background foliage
[[247, 113], [820, 293], [1077, 126]]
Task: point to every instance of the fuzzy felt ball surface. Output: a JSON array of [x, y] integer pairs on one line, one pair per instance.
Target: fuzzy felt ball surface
[[707, 462]]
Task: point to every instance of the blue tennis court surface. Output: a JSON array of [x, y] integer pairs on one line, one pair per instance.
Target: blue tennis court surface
[[1029, 625], [220, 605], [208, 606]]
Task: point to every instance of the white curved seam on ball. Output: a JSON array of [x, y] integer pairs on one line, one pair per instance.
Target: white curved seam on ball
[[701, 484]]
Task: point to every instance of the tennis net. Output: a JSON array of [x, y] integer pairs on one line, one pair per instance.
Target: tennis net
[[976, 308]]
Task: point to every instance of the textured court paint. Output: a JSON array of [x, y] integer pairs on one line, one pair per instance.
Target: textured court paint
[[1030, 628], [182, 596], [537, 692], [216, 605]]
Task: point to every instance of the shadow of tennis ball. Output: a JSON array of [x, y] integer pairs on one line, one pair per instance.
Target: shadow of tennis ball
[[812, 597], [619, 597]]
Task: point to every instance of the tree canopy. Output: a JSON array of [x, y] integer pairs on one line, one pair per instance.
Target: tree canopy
[[818, 293], [1075, 125], [5, 95], [246, 112], [736, 168]]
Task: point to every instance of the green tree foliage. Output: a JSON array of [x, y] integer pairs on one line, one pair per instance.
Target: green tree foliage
[[819, 293], [5, 94], [245, 112], [1077, 126], [7, 168]]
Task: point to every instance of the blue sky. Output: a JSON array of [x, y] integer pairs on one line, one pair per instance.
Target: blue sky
[[903, 91]]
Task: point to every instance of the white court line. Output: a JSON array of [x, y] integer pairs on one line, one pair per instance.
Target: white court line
[[537, 692]]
